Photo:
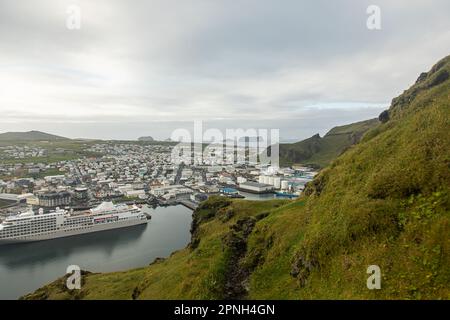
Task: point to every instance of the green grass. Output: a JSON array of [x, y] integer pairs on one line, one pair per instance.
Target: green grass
[[44, 173], [30, 136], [23, 173], [73, 149], [45, 160], [124, 199], [186, 274], [118, 285], [385, 201], [320, 152]]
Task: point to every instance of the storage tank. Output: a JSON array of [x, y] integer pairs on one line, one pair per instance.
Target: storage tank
[[284, 185], [261, 179], [277, 182], [266, 180], [270, 181], [241, 180]]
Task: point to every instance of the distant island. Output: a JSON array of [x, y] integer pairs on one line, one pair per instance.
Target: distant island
[[147, 138]]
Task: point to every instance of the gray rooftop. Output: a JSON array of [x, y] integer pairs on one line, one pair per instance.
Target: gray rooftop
[[255, 184]]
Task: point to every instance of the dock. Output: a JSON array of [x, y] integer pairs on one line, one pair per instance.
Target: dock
[[189, 204]]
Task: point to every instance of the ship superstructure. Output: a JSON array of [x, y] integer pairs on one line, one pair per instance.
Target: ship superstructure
[[30, 226]]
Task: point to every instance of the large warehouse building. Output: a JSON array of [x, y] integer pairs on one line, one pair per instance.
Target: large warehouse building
[[256, 187]]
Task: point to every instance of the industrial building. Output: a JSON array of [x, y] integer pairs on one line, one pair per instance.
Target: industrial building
[[272, 180], [256, 187]]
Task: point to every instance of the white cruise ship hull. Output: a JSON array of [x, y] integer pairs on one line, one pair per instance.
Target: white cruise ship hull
[[75, 232]]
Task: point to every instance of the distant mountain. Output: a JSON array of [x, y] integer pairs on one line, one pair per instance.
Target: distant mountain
[[319, 152], [30, 136], [147, 138]]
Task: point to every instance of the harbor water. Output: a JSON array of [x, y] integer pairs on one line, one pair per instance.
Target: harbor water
[[26, 267]]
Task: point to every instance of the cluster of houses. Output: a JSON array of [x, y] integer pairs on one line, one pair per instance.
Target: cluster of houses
[[21, 152], [128, 172]]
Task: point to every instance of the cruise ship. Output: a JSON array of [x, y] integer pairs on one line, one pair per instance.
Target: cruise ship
[[30, 226]]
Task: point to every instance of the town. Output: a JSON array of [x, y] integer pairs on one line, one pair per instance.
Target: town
[[134, 173]]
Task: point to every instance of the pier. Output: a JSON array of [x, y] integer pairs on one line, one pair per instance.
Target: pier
[[189, 204]]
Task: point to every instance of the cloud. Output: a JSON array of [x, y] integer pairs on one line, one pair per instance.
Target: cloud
[[236, 60]]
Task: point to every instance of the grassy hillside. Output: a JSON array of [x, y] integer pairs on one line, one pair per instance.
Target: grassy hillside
[[192, 273], [29, 136], [319, 152], [385, 202]]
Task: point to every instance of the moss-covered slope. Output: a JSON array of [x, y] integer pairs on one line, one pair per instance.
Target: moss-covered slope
[[318, 151], [385, 202]]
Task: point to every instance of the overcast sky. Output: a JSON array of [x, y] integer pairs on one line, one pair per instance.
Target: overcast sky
[[139, 67]]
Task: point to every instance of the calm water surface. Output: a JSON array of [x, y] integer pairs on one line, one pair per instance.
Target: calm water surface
[[26, 267]]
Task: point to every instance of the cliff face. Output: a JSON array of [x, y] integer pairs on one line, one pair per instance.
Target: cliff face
[[384, 201], [320, 152]]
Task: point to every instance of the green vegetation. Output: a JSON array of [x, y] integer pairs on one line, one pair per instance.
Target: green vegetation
[[44, 173], [124, 199], [385, 201], [188, 273], [146, 143], [319, 152], [29, 136], [57, 150], [45, 160], [23, 173]]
